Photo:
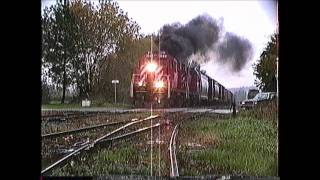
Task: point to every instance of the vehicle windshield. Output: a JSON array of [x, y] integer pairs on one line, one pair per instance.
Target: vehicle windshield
[[252, 93], [261, 96]]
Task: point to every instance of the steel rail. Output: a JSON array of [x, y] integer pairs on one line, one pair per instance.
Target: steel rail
[[123, 127], [174, 172], [90, 145], [82, 129], [66, 116], [131, 133]]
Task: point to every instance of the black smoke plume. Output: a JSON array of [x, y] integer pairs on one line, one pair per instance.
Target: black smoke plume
[[235, 51], [196, 36], [200, 36]]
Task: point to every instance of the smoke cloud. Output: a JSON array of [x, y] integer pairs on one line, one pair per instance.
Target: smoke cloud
[[235, 51], [200, 41]]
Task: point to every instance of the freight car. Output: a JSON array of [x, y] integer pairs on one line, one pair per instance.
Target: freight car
[[159, 77]]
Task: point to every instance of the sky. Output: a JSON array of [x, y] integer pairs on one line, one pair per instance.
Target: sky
[[253, 20]]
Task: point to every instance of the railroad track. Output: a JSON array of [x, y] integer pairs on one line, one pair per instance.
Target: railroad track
[[174, 171], [64, 115], [82, 129], [105, 138]]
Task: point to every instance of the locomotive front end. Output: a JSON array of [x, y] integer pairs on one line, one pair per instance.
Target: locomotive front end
[[149, 81]]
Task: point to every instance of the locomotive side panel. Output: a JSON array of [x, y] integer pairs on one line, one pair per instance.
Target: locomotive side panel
[[174, 81]]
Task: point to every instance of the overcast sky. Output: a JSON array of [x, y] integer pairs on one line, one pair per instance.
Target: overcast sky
[[254, 20]]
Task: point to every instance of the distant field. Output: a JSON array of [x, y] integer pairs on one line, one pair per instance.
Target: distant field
[[58, 105], [239, 146]]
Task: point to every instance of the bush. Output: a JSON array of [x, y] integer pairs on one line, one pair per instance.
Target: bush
[[265, 111]]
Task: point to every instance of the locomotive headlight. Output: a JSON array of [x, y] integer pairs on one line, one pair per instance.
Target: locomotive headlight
[[140, 83], [159, 84], [151, 67]]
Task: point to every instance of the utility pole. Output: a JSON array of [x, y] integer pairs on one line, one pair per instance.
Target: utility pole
[[277, 59], [151, 112], [159, 120], [277, 98], [115, 93]]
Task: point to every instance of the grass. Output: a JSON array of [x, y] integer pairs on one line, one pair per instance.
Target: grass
[[266, 111], [243, 145], [60, 106], [124, 160], [104, 162]]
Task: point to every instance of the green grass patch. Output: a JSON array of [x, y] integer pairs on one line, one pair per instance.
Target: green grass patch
[[60, 106], [267, 111], [242, 146], [107, 104], [125, 160]]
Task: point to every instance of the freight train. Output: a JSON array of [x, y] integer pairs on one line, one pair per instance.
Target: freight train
[[161, 78]]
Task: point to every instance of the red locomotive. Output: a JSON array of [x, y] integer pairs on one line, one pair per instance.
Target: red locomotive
[[165, 80]]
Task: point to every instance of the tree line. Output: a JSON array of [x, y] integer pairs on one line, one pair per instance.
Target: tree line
[[85, 46], [266, 68]]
